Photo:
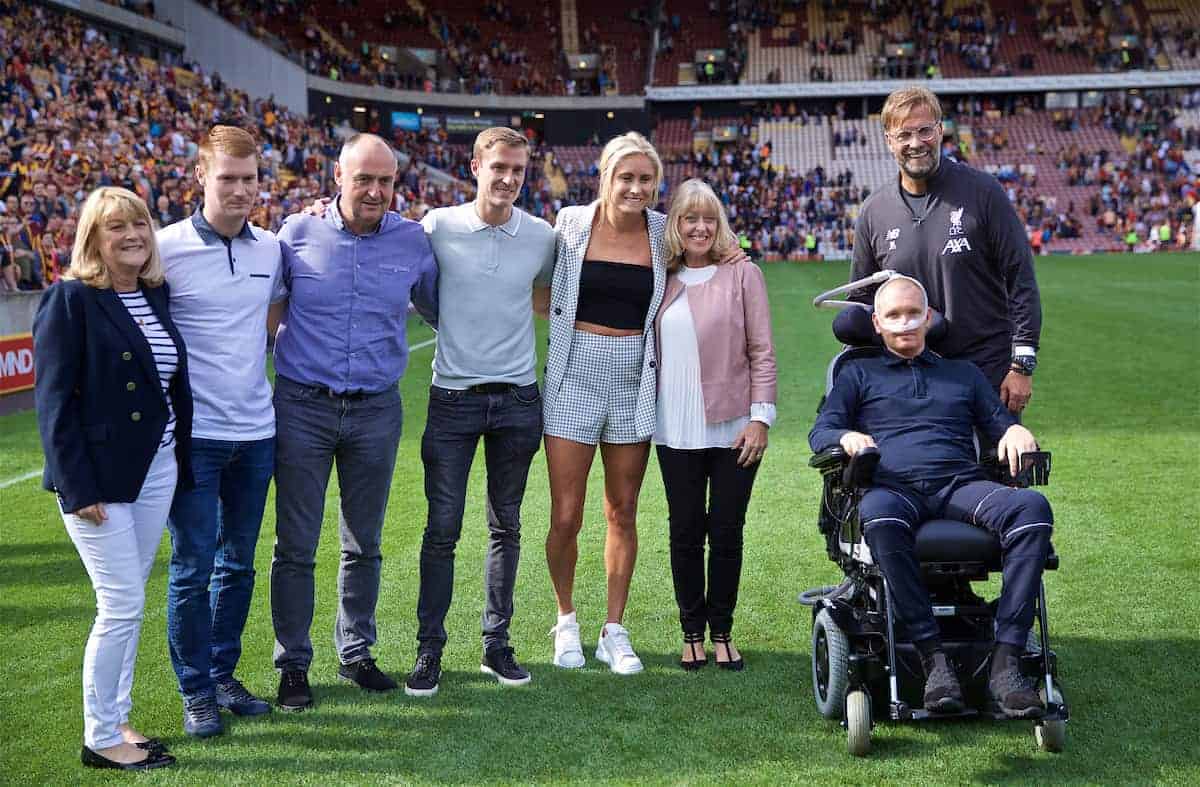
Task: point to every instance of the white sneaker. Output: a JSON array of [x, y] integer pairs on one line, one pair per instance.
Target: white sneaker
[[615, 650], [568, 650]]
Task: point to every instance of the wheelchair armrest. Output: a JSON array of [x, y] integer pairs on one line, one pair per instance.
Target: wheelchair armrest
[[860, 471], [857, 471], [1035, 470], [829, 459]]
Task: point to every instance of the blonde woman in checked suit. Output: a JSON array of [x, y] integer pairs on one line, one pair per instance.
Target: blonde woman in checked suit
[[599, 385]]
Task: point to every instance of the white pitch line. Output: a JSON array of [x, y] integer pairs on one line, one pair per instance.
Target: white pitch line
[[20, 478], [38, 472]]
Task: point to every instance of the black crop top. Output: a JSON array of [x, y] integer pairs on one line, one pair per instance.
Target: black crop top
[[614, 294]]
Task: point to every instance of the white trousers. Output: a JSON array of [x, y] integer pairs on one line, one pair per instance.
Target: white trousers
[[118, 555]]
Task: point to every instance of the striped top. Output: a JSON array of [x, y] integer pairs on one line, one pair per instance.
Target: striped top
[[166, 355]]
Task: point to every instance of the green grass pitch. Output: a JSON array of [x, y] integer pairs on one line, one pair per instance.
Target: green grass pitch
[[1117, 399]]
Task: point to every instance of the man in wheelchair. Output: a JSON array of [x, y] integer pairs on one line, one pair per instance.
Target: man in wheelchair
[[921, 412]]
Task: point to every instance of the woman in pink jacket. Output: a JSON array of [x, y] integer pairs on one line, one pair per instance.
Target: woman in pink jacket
[[716, 401]]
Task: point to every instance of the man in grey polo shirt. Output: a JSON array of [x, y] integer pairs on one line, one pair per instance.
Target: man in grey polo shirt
[[953, 229], [491, 255], [222, 271]]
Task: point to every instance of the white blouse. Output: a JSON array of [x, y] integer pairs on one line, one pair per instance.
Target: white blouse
[[680, 419]]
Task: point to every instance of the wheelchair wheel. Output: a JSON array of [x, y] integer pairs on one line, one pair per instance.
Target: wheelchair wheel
[[1051, 735], [830, 649], [858, 723]]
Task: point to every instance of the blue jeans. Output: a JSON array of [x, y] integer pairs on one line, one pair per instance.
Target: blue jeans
[[510, 423], [214, 529], [361, 433]]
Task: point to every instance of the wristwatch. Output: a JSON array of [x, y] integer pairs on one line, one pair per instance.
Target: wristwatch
[[1024, 364]]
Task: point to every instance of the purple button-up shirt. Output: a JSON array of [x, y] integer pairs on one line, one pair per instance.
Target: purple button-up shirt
[[348, 299]]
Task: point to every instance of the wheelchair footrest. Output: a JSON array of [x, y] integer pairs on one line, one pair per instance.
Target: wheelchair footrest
[[902, 712], [920, 714]]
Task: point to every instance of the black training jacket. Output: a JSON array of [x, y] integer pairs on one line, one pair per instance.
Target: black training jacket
[[971, 253]]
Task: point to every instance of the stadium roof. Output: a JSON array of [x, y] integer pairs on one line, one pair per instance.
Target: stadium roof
[[1125, 80]]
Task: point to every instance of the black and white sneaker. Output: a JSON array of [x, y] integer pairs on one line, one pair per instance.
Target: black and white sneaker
[[502, 663], [423, 680]]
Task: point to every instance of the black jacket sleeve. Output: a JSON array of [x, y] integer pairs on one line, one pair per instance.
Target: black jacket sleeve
[[1011, 252], [58, 351], [864, 263]]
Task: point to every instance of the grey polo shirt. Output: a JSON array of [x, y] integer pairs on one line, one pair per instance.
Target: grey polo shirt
[[486, 280], [968, 248], [220, 291]]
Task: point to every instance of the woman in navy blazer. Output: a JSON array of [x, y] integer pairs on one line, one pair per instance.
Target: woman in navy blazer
[[114, 411]]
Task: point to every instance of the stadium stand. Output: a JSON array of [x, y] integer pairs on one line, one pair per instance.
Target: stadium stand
[[79, 112]]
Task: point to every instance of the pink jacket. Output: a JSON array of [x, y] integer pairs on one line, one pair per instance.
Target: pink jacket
[[733, 331]]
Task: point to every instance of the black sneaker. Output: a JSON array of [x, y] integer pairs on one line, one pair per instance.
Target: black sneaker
[[942, 692], [1013, 692], [201, 719], [233, 697], [294, 693], [423, 680], [367, 676], [502, 663]]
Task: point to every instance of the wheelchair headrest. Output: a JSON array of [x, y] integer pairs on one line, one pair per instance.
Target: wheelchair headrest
[[852, 326]]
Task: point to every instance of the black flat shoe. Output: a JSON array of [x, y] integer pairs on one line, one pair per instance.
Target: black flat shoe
[[692, 640], [724, 639], [154, 759]]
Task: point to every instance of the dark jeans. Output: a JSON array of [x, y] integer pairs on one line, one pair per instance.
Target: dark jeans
[[707, 497], [510, 424], [214, 529], [313, 430], [1020, 517]]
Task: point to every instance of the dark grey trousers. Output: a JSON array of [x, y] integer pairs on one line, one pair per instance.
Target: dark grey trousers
[[313, 432]]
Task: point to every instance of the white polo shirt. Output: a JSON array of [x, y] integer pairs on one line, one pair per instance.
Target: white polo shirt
[[220, 291]]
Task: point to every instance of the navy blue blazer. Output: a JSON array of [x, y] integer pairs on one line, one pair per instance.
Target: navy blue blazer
[[100, 406]]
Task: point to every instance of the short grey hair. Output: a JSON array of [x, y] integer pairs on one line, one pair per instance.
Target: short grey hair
[[354, 140], [901, 277]]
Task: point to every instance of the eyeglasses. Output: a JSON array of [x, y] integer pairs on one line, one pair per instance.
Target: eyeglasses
[[924, 133]]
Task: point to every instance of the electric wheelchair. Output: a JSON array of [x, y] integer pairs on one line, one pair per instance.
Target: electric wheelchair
[[863, 667]]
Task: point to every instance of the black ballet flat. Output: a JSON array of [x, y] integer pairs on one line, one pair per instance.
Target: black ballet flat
[[724, 639], [154, 759], [692, 640]]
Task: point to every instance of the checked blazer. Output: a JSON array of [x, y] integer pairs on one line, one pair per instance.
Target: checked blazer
[[574, 231]]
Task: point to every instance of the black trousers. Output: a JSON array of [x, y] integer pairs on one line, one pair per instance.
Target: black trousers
[[707, 497]]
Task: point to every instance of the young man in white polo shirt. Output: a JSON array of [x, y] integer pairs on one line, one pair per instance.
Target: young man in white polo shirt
[[490, 255], [222, 272]]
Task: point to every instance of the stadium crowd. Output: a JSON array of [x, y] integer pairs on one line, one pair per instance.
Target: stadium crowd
[[776, 213], [76, 113]]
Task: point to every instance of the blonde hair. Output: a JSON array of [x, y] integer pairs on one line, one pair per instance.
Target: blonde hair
[[86, 263], [696, 196], [497, 135], [230, 140], [630, 143], [902, 102]]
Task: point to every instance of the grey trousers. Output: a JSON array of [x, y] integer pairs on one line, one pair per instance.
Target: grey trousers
[[313, 431]]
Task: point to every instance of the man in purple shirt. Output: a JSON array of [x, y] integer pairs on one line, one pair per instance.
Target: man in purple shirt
[[340, 351]]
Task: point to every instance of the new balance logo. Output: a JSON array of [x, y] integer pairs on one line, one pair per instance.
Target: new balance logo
[[956, 246]]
